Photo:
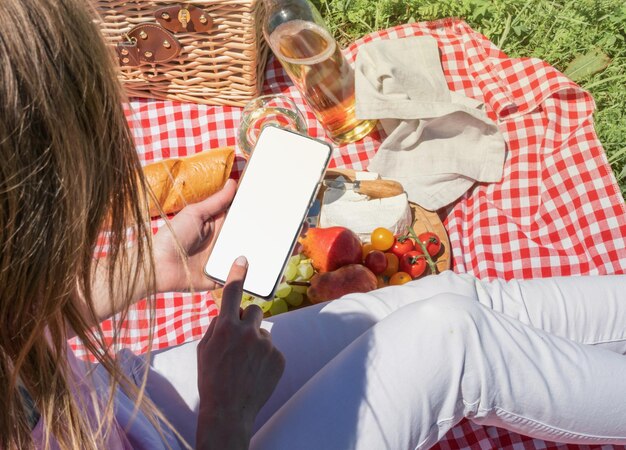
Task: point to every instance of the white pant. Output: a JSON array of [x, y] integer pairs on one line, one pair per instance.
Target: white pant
[[398, 367]]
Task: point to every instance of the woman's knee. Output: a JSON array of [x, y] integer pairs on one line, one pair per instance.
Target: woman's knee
[[445, 312]]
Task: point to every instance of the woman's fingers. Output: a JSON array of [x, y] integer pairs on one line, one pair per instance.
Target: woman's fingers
[[233, 289], [298, 247], [197, 218], [216, 203], [209, 331], [304, 229], [253, 315]]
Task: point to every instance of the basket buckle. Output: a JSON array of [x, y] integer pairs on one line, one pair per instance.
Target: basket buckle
[[185, 18], [147, 43], [127, 52]]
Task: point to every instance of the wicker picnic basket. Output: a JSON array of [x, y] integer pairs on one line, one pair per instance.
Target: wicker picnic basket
[[209, 52]]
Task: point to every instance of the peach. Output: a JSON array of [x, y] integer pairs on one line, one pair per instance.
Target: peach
[[331, 248], [345, 280]]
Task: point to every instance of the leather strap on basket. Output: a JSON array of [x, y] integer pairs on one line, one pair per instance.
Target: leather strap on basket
[[147, 43], [182, 18]]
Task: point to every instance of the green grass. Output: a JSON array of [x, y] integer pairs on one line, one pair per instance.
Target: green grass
[[557, 31]]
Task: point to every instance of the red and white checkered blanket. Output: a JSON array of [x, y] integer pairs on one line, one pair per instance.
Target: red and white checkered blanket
[[558, 210]]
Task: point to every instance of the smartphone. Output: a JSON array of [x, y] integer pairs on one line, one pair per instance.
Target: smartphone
[[263, 223]]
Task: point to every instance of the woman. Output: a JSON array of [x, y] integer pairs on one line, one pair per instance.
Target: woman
[[69, 169], [393, 369]]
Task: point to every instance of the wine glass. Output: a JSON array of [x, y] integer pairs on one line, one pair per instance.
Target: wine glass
[[273, 109]]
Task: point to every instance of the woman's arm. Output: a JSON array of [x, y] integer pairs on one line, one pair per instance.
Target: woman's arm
[[180, 251], [238, 369]]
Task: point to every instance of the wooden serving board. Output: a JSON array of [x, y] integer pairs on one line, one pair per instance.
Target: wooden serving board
[[423, 220]]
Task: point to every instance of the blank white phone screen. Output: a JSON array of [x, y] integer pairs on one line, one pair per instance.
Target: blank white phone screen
[[277, 187]]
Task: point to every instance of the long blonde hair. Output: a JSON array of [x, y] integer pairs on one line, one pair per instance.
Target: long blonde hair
[[67, 166]]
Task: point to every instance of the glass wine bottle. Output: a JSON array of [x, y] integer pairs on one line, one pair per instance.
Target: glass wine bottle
[[313, 60]]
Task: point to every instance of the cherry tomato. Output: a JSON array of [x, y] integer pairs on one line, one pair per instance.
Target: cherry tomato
[[413, 263], [392, 264], [382, 239], [376, 261], [401, 246], [399, 278], [432, 243], [366, 249]]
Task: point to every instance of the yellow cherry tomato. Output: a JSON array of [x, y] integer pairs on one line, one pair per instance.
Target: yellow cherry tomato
[[382, 239], [399, 278], [380, 280], [392, 264], [366, 249]]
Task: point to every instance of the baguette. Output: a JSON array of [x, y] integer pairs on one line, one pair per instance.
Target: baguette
[[177, 182]]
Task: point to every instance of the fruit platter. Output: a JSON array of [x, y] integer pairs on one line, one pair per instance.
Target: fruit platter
[[351, 257]]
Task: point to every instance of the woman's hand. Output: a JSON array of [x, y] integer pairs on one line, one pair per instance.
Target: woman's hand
[[195, 228], [238, 369], [180, 251]]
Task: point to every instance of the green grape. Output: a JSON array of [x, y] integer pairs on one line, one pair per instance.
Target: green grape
[[299, 289], [283, 290], [305, 271], [243, 304], [291, 272], [246, 297], [294, 298], [279, 306], [295, 259], [265, 305]]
